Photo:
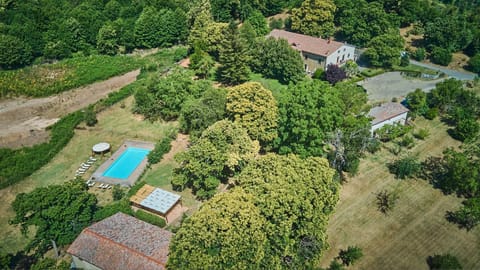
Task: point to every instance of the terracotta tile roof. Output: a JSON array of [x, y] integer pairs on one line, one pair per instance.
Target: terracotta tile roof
[[122, 242], [386, 111], [307, 44]]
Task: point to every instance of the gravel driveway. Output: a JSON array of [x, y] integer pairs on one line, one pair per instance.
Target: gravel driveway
[[388, 85]]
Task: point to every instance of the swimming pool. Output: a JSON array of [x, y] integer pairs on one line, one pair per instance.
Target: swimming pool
[[126, 163]]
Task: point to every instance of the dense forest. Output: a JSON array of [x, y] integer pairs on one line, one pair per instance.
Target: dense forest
[[48, 30]]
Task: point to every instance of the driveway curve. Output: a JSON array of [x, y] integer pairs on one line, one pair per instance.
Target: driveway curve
[[459, 75]]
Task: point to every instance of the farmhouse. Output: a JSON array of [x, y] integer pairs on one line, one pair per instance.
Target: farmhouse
[[317, 52], [388, 113], [121, 242]]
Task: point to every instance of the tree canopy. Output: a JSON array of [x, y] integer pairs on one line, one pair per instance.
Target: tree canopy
[[296, 196], [226, 233], [58, 212], [314, 18], [223, 149], [255, 109], [277, 60], [308, 112]]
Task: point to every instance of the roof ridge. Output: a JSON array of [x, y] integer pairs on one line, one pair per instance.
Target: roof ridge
[[87, 230]]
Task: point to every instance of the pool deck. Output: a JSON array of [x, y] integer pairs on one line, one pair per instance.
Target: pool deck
[[130, 181]]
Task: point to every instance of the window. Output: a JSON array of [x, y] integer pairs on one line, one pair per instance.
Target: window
[[344, 49], [306, 57]]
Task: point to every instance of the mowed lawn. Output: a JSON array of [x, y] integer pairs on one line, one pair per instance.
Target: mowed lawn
[[115, 125], [414, 229]]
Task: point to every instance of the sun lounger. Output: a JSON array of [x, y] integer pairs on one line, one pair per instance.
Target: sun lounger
[[85, 167], [106, 186], [81, 170], [90, 162], [100, 185], [92, 159], [91, 184]]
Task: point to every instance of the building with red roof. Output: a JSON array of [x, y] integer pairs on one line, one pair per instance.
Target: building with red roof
[[388, 113], [121, 242], [317, 52]]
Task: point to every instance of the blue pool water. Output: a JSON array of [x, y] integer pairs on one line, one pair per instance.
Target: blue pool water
[[126, 163]]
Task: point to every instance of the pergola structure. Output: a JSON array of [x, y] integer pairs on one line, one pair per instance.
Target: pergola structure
[[156, 200]]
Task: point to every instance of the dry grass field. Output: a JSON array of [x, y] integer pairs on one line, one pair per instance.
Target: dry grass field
[[115, 125], [414, 229]]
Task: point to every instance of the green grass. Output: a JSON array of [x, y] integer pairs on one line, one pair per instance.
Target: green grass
[[273, 85], [370, 72], [414, 68]]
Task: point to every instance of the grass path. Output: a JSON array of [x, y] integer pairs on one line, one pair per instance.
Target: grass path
[[115, 125], [415, 229]]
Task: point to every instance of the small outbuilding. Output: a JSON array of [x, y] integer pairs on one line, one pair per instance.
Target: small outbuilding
[[121, 242], [388, 113], [166, 204]]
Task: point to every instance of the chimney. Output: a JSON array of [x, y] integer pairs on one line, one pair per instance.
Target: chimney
[[329, 40]]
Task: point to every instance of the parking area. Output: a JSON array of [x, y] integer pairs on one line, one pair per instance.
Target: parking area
[[388, 85]]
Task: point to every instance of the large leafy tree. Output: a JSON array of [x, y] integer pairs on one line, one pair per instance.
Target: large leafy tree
[[255, 109], [234, 60], [314, 18], [384, 50], [147, 28], [360, 21], [277, 60], [226, 233], [223, 149], [198, 114], [296, 196], [107, 40], [57, 212], [164, 98], [13, 52], [450, 32], [417, 102], [309, 111]]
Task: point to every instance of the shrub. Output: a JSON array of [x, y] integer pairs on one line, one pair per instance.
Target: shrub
[[90, 117], [319, 74], [431, 113], [474, 63], [117, 193], [111, 209], [161, 148], [441, 56], [373, 145], [422, 134], [466, 129], [335, 74], [276, 23], [407, 141], [150, 218], [468, 216], [350, 255], [386, 201], [444, 261], [405, 167], [419, 54], [391, 132]]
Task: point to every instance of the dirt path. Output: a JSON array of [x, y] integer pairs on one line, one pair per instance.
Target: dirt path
[[23, 121]]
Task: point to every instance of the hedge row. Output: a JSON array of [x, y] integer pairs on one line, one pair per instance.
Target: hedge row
[[150, 218]]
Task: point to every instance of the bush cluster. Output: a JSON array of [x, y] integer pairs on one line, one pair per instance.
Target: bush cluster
[[161, 148], [150, 218]]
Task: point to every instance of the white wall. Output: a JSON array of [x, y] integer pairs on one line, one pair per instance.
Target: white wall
[[81, 264], [402, 119], [346, 52]]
